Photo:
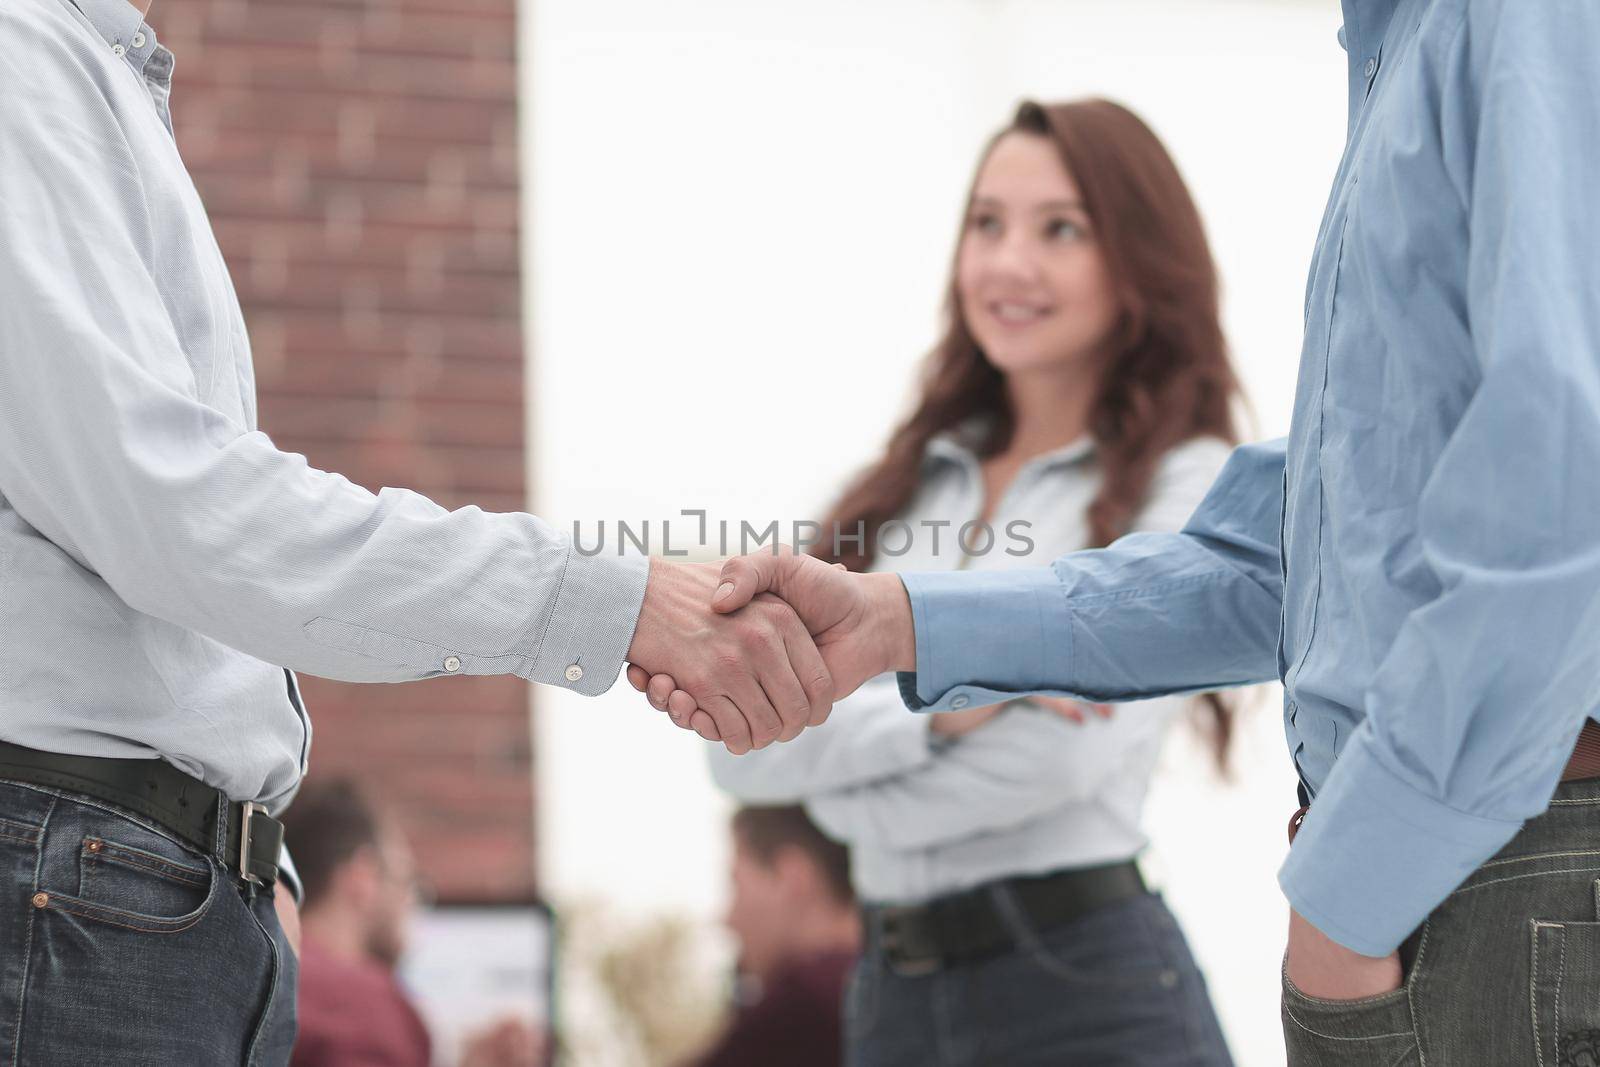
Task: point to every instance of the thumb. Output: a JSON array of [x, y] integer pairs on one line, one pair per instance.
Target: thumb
[[745, 576]]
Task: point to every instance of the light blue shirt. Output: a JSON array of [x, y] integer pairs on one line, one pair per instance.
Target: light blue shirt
[[164, 568], [1419, 562]]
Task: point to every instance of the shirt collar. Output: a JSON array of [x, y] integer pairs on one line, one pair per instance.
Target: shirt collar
[[1366, 24], [960, 446], [115, 20]]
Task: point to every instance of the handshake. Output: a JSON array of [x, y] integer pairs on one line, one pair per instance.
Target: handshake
[[758, 648]]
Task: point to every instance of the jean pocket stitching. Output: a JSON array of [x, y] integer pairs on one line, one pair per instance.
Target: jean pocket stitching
[[1533, 993], [1561, 974], [1340, 1037], [1541, 856], [20, 830], [111, 916], [1046, 960], [145, 924], [128, 856], [1527, 874], [123, 815], [1373, 1001]]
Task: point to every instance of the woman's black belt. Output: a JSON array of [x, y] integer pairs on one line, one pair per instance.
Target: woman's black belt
[[239, 834], [968, 926]]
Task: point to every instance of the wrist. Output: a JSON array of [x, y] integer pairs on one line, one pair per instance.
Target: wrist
[[674, 594], [890, 622]]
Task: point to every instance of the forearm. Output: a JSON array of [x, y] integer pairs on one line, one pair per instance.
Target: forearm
[[1152, 615], [189, 519], [1028, 761]]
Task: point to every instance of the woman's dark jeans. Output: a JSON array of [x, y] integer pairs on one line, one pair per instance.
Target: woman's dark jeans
[[119, 944], [1505, 972], [1116, 987]]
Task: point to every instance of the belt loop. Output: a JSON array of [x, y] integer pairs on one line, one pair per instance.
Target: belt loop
[[1004, 899], [220, 848], [1294, 822]]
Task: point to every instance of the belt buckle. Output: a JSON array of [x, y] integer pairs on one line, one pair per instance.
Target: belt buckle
[[247, 809]]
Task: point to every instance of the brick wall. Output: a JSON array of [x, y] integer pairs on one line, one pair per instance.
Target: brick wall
[[359, 160]]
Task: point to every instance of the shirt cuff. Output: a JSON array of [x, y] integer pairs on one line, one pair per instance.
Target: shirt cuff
[[1374, 856], [985, 638], [591, 626]]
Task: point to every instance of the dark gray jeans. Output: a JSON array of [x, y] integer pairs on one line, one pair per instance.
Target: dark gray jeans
[[1116, 988], [1505, 972], [119, 944]]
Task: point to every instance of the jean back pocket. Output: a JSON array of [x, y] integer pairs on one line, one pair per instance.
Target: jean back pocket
[[1565, 986]]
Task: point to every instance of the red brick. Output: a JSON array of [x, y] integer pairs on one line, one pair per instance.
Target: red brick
[[360, 166]]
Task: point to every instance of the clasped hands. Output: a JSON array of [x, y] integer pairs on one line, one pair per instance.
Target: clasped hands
[[758, 648]]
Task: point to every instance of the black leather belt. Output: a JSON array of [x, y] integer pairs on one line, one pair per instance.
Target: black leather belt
[[965, 927], [240, 834]]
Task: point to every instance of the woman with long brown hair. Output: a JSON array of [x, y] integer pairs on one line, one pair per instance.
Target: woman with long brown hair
[[1081, 391]]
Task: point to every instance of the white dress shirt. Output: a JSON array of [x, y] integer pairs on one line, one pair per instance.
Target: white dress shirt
[[164, 569]]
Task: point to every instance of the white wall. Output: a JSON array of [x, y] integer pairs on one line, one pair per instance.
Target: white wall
[[740, 216]]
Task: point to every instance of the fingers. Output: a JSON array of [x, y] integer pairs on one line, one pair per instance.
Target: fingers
[[658, 690], [681, 706], [1104, 710], [742, 578], [790, 668], [727, 723], [701, 723], [748, 696], [812, 672]]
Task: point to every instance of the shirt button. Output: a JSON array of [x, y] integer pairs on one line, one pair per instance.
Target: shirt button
[[959, 702], [1372, 68], [574, 673], [118, 51], [452, 663], [138, 40]]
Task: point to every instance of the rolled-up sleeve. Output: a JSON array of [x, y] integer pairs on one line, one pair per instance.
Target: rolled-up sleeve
[[1154, 614], [1476, 706], [109, 449]]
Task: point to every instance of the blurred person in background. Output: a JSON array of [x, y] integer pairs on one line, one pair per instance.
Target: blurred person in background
[[1083, 389], [795, 919], [361, 894]]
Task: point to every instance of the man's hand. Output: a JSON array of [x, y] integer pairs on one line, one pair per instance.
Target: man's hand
[[1319, 966], [756, 677], [861, 624]]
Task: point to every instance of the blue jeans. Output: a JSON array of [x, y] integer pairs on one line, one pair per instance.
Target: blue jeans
[[121, 944], [1117, 986]]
